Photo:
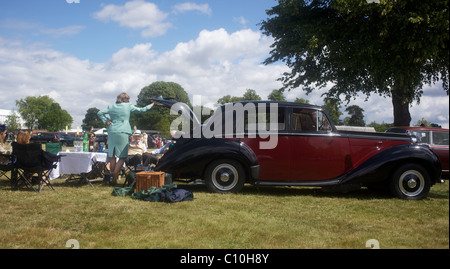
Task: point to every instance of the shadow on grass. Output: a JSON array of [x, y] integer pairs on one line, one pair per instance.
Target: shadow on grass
[[361, 194]]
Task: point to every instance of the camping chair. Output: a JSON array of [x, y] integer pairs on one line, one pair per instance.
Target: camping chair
[[7, 168], [53, 148], [30, 160], [132, 164]]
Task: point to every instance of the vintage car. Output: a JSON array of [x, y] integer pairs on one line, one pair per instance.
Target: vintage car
[[436, 138], [43, 138], [289, 144]]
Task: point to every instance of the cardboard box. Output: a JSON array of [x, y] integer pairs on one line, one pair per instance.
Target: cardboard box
[[146, 180]]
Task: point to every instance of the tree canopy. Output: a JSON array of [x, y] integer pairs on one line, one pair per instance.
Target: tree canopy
[[390, 48], [42, 112], [249, 94], [92, 120], [158, 118], [356, 116]]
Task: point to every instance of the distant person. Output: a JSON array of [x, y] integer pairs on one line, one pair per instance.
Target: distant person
[[137, 151], [48, 159], [3, 150], [119, 130], [23, 137]]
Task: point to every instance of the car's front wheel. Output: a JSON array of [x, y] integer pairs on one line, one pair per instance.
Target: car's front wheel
[[224, 176], [410, 182]]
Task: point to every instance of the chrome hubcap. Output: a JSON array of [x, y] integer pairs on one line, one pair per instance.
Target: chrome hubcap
[[412, 183], [225, 177]]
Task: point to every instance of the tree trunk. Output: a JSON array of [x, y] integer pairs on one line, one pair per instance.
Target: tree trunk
[[402, 117]]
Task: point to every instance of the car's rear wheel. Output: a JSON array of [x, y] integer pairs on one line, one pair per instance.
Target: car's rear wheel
[[224, 176], [410, 182]]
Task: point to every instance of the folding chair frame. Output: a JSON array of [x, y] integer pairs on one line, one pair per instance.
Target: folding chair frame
[[25, 175], [5, 168], [29, 160], [131, 164]]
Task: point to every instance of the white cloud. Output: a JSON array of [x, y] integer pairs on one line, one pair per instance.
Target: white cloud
[[188, 6], [213, 65], [63, 31], [241, 20], [37, 28], [136, 14]]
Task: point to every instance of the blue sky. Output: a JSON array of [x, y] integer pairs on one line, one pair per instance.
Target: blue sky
[[82, 53], [74, 26]]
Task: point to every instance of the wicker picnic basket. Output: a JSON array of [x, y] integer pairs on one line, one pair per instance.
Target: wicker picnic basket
[[146, 179]]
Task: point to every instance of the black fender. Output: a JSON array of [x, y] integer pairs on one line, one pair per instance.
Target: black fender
[[189, 157], [380, 167]]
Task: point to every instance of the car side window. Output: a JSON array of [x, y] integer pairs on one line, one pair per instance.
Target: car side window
[[303, 120], [255, 120], [440, 138], [323, 123], [309, 120], [422, 137]]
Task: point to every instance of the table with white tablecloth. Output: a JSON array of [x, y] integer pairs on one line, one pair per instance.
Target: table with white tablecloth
[[81, 163]]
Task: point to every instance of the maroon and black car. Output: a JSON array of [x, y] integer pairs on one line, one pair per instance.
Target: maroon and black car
[[291, 144]]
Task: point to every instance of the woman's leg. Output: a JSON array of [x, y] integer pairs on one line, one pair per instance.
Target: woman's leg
[[119, 165], [112, 168]]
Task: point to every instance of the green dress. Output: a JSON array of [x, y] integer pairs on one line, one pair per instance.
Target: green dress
[[119, 130]]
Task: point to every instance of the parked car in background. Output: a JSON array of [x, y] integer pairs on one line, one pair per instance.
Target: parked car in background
[[101, 138], [436, 138], [43, 138], [308, 150], [65, 139]]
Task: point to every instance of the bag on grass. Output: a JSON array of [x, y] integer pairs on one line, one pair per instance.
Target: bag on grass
[[122, 191]]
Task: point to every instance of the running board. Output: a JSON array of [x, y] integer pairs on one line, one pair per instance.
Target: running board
[[320, 183], [327, 185]]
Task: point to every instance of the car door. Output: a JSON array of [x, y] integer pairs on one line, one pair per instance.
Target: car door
[[316, 153], [274, 162]]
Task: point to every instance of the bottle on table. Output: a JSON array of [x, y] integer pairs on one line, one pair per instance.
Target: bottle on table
[[86, 142]]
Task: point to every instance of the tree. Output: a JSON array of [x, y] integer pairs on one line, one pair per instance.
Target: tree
[[165, 90], [332, 107], [91, 120], [301, 101], [158, 118], [228, 99], [43, 112], [55, 118], [357, 117], [380, 127], [277, 95], [12, 121], [425, 123], [390, 48], [249, 95]]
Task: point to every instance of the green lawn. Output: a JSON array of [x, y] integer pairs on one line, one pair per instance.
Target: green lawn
[[264, 218]]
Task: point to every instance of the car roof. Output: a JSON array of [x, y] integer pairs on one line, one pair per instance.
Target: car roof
[[420, 128]]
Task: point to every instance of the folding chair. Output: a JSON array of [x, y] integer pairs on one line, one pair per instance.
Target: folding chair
[[30, 160], [133, 164], [53, 148], [7, 168]]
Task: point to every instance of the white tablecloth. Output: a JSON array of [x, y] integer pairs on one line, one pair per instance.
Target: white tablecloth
[[77, 162]]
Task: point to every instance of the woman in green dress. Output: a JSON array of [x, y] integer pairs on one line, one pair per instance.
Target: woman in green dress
[[119, 130]]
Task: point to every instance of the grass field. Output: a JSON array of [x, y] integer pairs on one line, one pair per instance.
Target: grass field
[[264, 218]]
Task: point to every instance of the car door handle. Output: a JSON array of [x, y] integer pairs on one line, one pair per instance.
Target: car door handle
[[379, 144]]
